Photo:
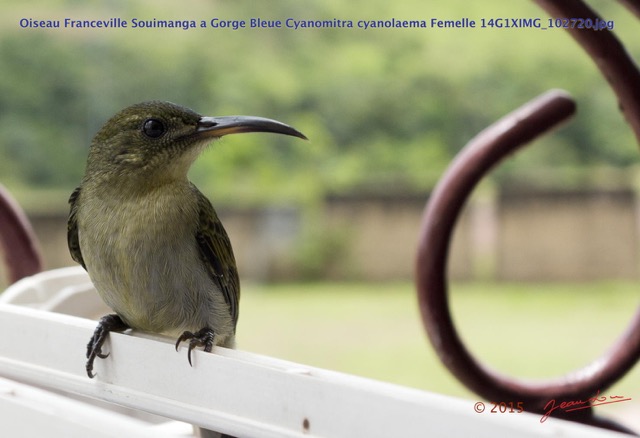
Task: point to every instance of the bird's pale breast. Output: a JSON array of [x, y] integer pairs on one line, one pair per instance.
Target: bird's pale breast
[[145, 263]]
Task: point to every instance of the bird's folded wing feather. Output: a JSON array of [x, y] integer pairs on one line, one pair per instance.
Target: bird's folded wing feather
[[215, 249], [72, 229]]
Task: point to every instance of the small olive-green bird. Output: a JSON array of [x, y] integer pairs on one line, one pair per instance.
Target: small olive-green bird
[[151, 242]]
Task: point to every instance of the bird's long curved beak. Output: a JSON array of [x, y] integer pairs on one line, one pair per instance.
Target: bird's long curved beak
[[219, 126]]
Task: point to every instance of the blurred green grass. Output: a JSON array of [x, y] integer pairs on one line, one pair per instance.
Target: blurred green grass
[[374, 330]]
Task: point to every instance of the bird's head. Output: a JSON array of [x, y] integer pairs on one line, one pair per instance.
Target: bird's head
[[160, 140]]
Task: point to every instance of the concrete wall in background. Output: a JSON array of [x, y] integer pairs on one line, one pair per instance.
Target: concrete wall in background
[[524, 236], [381, 236], [573, 236]]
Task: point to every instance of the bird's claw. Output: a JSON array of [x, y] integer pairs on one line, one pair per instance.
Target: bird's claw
[[202, 338], [108, 323]]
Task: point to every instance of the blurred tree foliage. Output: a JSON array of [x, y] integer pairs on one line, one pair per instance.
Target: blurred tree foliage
[[385, 109]]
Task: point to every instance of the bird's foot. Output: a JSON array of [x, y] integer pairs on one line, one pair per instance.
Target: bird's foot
[[201, 338], [108, 323]]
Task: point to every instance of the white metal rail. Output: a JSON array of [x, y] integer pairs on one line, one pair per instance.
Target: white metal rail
[[45, 389]]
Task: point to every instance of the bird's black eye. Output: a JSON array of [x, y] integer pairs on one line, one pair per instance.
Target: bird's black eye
[[153, 128]]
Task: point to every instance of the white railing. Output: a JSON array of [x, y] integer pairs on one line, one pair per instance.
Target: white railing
[[151, 390]]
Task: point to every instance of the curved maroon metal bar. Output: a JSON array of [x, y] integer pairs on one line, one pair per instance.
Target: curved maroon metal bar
[[607, 53], [445, 204], [17, 241], [454, 188]]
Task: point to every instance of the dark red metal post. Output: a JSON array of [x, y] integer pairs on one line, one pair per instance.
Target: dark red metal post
[[465, 172], [18, 243]]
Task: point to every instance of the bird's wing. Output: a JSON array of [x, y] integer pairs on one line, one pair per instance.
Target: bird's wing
[[72, 229], [215, 249]]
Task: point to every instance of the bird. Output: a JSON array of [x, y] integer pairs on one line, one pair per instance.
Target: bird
[[150, 241]]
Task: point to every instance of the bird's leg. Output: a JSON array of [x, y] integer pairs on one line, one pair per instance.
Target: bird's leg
[[201, 338], [108, 323]]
